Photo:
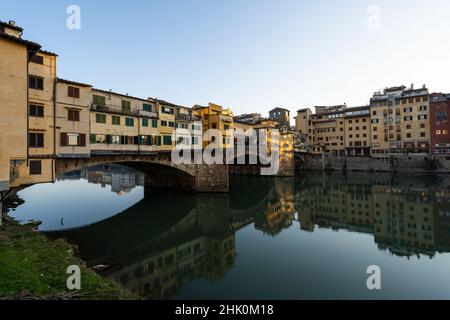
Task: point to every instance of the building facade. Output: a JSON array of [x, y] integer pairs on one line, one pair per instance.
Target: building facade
[[439, 125]]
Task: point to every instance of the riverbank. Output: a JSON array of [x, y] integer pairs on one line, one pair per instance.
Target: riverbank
[[33, 267], [412, 163]]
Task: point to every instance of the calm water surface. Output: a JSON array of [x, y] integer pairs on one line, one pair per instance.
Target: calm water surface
[[311, 237]]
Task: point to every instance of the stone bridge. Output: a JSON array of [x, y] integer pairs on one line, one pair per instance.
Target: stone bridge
[[160, 171]]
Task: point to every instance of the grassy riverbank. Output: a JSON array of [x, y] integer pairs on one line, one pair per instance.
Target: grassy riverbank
[[33, 267]]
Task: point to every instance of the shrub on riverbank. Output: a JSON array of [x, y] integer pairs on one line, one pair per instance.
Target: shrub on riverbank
[[32, 267]]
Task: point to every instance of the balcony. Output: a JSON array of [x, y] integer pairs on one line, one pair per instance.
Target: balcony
[[182, 116], [150, 114]]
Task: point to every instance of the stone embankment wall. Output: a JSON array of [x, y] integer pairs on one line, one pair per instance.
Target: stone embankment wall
[[396, 163]]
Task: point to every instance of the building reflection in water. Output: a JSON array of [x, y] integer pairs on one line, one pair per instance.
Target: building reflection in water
[[406, 215], [169, 239], [121, 179]]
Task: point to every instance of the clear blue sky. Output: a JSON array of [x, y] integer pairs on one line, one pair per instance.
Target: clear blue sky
[[250, 55]]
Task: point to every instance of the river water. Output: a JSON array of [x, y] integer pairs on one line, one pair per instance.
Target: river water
[[309, 237]]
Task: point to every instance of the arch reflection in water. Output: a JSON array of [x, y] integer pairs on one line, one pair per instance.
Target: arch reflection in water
[[169, 240]]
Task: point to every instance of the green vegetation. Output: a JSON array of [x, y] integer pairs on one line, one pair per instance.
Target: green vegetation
[[33, 267]]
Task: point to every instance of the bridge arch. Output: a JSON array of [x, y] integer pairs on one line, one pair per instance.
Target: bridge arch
[[160, 171]]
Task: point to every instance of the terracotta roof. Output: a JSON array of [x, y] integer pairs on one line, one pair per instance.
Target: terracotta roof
[[74, 83], [48, 53], [11, 26], [30, 45]]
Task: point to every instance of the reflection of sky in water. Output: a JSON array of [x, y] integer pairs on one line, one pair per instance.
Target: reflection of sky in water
[[78, 202]]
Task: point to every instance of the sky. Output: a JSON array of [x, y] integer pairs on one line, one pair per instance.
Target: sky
[[249, 55]]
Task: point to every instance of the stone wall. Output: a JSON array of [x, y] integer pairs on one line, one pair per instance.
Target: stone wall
[[397, 163], [211, 178]]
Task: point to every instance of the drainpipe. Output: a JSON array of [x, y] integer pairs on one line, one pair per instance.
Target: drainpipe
[[54, 126]]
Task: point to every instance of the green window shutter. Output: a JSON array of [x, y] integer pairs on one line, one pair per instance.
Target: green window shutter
[[155, 123], [145, 122], [147, 107], [168, 140], [99, 100], [115, 120], [100, 118], [108, 139], [126, 106], [93, 138]]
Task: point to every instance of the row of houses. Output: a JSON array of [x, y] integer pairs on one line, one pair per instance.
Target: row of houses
[[45, 117], [398, 120]]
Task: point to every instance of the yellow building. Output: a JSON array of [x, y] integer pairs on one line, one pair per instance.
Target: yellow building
[[400, 121], [190, 127], [215, 117], [357, 131], [167, 113], [14, 52], [328, 123], [123, 124], [73, 102]]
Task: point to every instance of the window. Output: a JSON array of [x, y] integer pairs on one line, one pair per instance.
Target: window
[[100, 118], [36, 140], [374, 113], [422, 117], [115, 120], [145, 122], [147, 107], [154, 123], [171, 124], [126, 106], [407, 110], [438, 132], [163, 123], [36, 83], [115, 139], [72, 139], [36, 111], [73, 92], [35, 167], [37, 59], [408, 135], [167, 110], [73, 115], [226, 127], [444, 131], [99, 100], [422, 134], [157, 140], [129, 122], [195, 140], [167, 140]]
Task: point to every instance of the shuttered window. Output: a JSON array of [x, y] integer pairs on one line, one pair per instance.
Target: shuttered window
[[126, 106], [129, 122], [36, 83], [73, 115], [35, 167], [73, 92], [99, 100], [145, 122], [115, 120], [36, 111], [155, 123], [74, 139], [167, 140], [100, 118], [36, 140]]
